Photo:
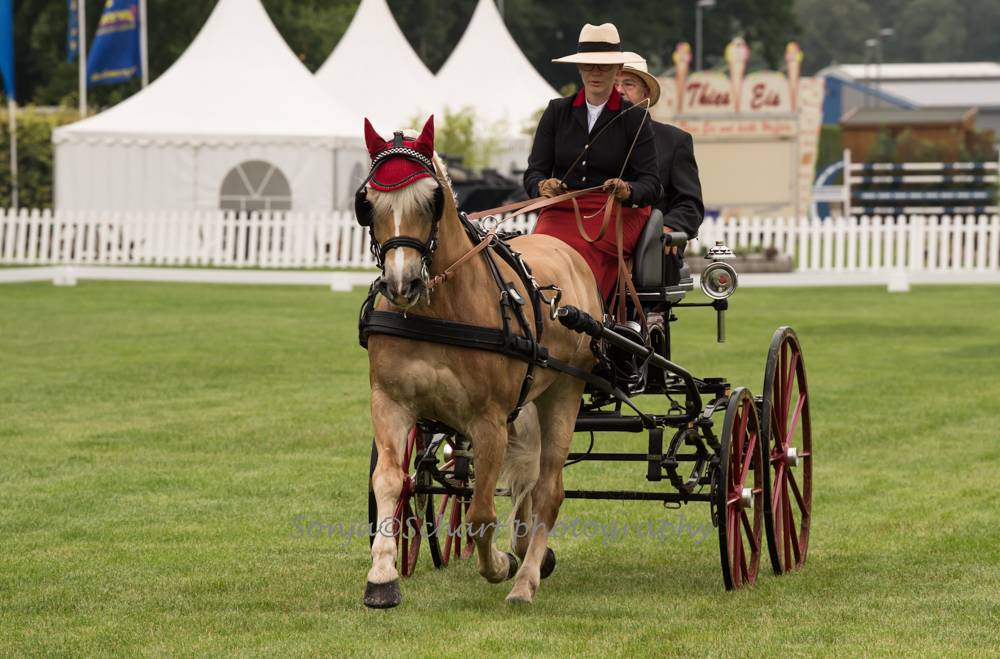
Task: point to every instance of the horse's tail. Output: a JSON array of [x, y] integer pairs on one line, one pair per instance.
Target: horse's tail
[[521, 462]]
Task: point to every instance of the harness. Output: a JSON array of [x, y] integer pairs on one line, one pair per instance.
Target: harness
[[523, 342]]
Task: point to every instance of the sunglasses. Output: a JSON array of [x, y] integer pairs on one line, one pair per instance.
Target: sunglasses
[[603, 68]]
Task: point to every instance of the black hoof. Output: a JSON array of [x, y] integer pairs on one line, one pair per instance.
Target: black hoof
[[383, 595], [512, 565], [548, 563]]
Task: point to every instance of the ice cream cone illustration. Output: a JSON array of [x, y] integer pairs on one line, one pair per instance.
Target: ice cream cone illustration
[[682, 64], [737, 54], [793, 60]]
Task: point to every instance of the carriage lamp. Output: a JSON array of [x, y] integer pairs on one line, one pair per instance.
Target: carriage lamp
[[719, 281]]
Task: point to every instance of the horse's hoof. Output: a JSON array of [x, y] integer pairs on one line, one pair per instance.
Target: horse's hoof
[[518, 599], [383, 595], [512, 565], [548, 563]]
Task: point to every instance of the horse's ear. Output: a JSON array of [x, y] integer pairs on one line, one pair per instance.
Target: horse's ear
[[373, 140], [426, 139]]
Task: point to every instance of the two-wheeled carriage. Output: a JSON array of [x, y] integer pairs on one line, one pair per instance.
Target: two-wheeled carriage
[[749, 457]]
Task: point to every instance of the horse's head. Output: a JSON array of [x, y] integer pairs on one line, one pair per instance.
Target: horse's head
[[401, 203]]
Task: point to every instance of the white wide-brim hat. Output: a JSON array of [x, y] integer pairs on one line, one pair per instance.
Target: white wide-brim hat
[[637, 67], [598, 44]]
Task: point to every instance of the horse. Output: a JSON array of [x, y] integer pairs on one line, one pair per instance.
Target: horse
[[473, 392]]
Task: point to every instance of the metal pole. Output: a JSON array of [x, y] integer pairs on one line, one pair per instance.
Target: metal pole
[[81, 16], [143, 43], [12, 116], [697, 37]]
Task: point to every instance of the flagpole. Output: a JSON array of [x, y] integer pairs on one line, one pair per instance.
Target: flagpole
[[143, 43], [12, 116], [81, 23]]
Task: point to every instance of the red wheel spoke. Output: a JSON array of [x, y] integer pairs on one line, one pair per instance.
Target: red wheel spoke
[[754, 547], [744, 420], [795, 418], [792, 533], [744, 570], [751, 445], [798, 495], [786, 401], [778, 489], [737, 546], [733, 500]]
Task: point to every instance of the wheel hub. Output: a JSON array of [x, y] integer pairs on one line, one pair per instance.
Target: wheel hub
[[746, 498], [792, 457]]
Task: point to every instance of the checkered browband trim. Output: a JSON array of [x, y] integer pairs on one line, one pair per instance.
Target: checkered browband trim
[[404, 151]]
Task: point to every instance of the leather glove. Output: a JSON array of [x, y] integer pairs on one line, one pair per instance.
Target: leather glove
[[669, 250], [551, 187], [618, 187]]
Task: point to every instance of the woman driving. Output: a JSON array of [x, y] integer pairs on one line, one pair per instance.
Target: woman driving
[[593, 139]]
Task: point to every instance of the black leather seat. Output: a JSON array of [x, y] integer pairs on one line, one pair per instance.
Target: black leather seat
[[658, 278]]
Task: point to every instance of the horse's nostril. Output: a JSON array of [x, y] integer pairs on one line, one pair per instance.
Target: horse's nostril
[[414, 287]]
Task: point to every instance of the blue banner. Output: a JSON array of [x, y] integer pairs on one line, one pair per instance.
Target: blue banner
[[114, 55], [7, 47], [73, 31]]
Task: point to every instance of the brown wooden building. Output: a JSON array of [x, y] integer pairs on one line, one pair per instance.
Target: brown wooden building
[[950, 128]]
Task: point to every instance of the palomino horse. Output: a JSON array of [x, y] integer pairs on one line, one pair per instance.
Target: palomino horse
[[471, 391]]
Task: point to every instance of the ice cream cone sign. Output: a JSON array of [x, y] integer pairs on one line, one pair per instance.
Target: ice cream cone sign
[[737, 54], [682, 64], [793, 60]]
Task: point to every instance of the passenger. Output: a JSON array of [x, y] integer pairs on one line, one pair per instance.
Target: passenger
[[570, 152], [680, 201]]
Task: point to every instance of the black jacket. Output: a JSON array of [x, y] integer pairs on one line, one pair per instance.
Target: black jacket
[[681, 200], [562, 136]]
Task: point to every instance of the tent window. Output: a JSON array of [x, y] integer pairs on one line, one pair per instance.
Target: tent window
[[255, 185]]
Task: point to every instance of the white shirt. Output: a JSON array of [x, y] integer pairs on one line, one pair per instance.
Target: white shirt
[[593, 112]]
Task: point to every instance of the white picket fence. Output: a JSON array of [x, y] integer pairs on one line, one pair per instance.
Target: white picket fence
[[334, 240]]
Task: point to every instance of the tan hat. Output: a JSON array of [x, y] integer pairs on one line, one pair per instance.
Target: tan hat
[[599, 44], [637, 67]]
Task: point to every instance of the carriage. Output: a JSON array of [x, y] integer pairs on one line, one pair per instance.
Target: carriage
[[749, 457]]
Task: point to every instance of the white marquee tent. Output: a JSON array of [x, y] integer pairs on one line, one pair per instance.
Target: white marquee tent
[[488, 72], [398, 86], [237, 122]]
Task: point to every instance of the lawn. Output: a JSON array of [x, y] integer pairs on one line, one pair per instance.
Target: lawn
[[161, 447]]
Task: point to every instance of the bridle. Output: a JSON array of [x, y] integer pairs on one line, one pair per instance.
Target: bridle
[[365, 212]]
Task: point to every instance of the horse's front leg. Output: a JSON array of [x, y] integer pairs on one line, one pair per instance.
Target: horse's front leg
[[392, 424], [489, 441]]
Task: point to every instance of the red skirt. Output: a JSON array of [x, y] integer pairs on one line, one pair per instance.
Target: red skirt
[[559, 221]]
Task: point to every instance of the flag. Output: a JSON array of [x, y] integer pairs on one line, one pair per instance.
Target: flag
[[7, 48], [114, 55], [73, 31]]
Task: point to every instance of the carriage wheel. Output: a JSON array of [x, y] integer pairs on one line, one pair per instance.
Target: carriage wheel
[[408, 517], [449, 521], [788, 435], [741, 492]]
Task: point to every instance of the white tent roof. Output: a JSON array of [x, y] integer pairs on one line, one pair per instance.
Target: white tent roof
[[922, 71], [401, 86], [488, 71], [237, 79]]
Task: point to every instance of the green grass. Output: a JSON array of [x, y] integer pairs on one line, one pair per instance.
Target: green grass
[[158, 442]]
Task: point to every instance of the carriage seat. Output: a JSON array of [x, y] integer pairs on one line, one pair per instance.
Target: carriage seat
[[658, 278]]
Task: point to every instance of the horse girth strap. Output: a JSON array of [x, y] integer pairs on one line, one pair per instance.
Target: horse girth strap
[[464, 335]]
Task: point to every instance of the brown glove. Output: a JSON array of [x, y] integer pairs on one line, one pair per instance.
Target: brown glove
[[551, 187], [620, 188]]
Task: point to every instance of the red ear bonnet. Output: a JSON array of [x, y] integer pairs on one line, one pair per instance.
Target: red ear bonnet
[[394, 173]]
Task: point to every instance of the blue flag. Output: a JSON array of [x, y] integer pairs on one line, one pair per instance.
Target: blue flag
[[73, 31], [7, 47], [114, 56]]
